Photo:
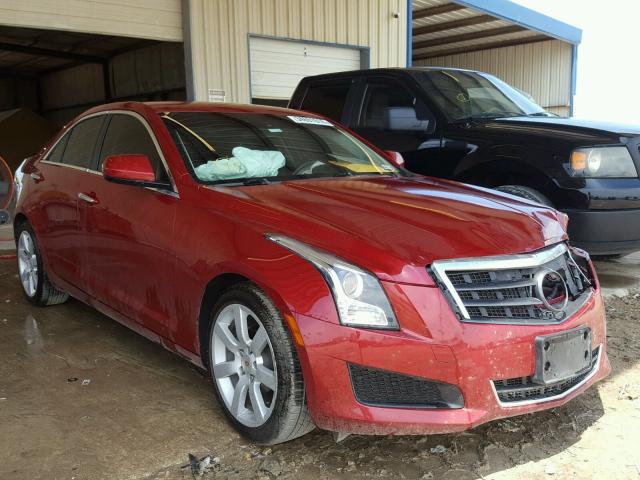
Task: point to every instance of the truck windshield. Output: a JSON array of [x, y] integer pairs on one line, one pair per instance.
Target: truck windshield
[[250, 148], [465, 95]]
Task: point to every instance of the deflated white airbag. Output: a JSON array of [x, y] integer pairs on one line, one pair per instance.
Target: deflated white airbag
[[245, 163]]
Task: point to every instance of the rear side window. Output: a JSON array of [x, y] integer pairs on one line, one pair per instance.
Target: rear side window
[[327, 100], [125, 135], [82, 141], [55, 155]]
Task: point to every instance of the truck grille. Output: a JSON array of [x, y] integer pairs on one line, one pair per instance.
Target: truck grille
[[542, 287], [523, 389]]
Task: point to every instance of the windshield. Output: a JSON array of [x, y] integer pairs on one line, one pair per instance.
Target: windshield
[[258, 148], [466, 95]]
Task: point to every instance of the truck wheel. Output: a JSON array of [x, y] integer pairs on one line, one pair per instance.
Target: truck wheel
[[526, 192]]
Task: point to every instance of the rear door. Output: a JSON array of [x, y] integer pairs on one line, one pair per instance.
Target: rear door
[[128, 231], [55, 191]]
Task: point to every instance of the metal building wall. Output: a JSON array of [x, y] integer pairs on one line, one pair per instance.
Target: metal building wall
[[220, 29], [152, 19], [542, 69]]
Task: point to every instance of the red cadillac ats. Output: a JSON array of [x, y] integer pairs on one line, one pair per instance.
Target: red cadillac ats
[[319, 282]]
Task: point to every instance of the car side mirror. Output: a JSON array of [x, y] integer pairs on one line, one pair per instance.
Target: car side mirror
[[395, 158], [130, 169], [404, 119]]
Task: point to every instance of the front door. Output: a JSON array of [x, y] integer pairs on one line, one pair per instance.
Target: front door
[[128, 231], [393, 118]]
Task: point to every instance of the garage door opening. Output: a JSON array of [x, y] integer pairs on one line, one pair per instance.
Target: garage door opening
[[47, 77], [278, 65]]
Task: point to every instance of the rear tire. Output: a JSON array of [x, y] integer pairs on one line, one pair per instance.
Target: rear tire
[[36, 286], [526, 192], [255, 368]]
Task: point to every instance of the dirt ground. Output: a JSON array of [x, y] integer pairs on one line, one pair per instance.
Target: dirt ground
[[82, 397]]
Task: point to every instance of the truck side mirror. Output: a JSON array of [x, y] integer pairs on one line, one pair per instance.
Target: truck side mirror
[[404, 119]]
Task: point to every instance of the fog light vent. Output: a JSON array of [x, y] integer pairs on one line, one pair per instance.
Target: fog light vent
[[381, 388]]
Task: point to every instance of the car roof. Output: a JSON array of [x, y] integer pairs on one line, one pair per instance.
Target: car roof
[[399, 70], [165, 107]]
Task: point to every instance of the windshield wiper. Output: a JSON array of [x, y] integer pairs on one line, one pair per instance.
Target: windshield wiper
[[490, 115], [256, 181], [243, 182]]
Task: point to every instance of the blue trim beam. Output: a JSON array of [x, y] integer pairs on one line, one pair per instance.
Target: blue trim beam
[[409, 32], [512, 12], [574, 77]]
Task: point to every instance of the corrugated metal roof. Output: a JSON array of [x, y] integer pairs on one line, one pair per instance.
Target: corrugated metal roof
[[443, 27]]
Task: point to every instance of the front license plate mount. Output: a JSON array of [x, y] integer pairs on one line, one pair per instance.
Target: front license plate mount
[[560, 356]]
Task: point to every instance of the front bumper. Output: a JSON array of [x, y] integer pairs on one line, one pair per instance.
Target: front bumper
[[470, 356], [605, 232]]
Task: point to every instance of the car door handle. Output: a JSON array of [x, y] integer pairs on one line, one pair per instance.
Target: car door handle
[[37, 176], [87, 198]]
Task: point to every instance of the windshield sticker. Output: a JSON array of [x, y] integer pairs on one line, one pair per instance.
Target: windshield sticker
[[310, 120]]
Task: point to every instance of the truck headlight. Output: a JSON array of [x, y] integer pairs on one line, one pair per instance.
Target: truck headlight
[[359, 297], [603, 162]]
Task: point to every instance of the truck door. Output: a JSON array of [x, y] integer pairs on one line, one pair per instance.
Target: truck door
[[392, 117]]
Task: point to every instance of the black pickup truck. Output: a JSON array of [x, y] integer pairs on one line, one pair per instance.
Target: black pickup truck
[[473, 127]]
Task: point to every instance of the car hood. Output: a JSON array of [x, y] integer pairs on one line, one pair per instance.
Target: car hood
[[395, 227], [572, 129]]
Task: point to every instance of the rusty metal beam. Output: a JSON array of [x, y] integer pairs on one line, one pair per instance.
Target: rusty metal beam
[[437, 10], [463, 37], [484, 46], [463, 22]]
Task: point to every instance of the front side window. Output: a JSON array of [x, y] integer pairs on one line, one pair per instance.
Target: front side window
[[82, 142], [466, 95], [327, 100], [390, 106], [228, 147], [127, 135]]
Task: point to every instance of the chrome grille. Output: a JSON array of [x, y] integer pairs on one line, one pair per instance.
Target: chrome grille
[[514, 288]]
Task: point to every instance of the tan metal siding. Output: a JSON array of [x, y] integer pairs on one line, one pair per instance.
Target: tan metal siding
[[542, 69], [220, 31], [152, 19]]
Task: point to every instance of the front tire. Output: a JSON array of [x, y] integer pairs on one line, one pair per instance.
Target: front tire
[[526, 192], [255, 369], [36, 286]]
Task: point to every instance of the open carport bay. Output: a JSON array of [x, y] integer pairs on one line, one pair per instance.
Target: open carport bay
[[47, 77], [83, 397]]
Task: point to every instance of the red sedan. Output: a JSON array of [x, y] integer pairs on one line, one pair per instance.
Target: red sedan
[[319, 282]]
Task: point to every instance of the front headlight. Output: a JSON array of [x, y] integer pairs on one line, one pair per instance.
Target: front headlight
[[603, 162], [359, 297]]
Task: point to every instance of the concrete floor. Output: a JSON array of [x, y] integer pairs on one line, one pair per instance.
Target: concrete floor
[[83, 397]]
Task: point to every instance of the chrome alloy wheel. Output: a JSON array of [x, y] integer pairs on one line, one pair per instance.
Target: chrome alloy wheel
[[243, 365], [27, 263]]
